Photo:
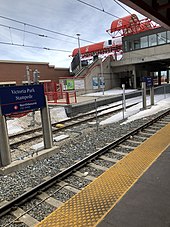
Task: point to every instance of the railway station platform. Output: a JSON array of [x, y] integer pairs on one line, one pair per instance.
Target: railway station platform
[[88, 103], [134, 192]]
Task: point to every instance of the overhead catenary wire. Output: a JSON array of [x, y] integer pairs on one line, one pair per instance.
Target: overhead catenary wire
[[52, 31], [122, 6], [35, 47], [32, 33], [44, 29], [101, 10], [95, 7]]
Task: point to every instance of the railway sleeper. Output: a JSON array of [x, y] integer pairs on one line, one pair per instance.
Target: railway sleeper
[[127, 147], [50, 200], [118, 152], [150, 130], [164, 121], [140, 137], [87, 177], [103, 157], [98, 166], [68, 187], [133, 141], [155, 127], [25, 218], [146, 133]]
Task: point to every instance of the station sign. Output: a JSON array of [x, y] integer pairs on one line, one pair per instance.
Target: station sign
[[149, 81], [16, 99]]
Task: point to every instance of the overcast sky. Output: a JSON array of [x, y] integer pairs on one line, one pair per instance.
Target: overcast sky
[[64, 16]]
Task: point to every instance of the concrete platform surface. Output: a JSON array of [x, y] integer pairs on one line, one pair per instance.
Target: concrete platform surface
[[147, 203]]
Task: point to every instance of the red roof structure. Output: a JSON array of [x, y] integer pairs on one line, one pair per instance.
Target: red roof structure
[[98, 48], [130, 25], [125, 26]]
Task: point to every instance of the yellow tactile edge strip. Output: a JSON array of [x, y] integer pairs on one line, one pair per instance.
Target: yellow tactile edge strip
[[90, 205]]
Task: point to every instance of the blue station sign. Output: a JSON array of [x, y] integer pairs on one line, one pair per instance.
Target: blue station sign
[[149, 81], [16, 99]]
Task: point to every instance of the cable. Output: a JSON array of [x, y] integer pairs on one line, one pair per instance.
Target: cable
[[44, 29], [35, 47], [32, 33], [122, 6], [101, 10]]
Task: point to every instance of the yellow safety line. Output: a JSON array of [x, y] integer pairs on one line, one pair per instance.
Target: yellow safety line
[[92, 204]]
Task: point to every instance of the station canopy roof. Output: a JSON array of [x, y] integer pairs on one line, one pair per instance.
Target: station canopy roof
[[156, 10]]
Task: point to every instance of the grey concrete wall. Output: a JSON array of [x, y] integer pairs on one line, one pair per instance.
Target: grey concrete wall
[[95, 71], [115, 80], [144, 55]]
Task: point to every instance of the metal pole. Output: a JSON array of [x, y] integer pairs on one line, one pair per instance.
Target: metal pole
[[97, 123], [35, 81], [124, 100], [102, 76], [28, 74], [46, 126], [152, 95], [36, 76], [5, 154], [79, 52], [29, 82], [164, 91], [144, 94], [123, 111], [134, 79]]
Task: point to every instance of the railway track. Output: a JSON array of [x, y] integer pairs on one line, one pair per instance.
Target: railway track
[[33, 134], [32, 206]]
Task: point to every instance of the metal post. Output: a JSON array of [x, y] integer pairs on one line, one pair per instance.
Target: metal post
[[168, 69], [144, 94], [102, 76], [124, 100], [5, 155], [97, 123], [35, 81], [28, 74], [67, 98], [46, 126], [152, 95], [164, 91], [123, 109], [79, 52], [29, 82], [134, 79], [36, 76]]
